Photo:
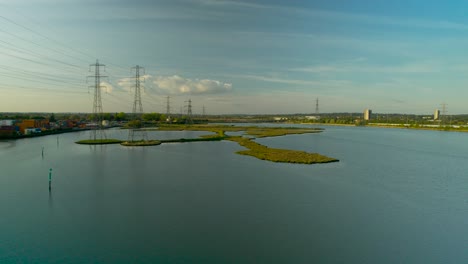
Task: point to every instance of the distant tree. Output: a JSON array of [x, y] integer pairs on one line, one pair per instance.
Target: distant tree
[[134, 124], [106, 116], [52, 118], [152, 117], [74, 117], [120, 116]]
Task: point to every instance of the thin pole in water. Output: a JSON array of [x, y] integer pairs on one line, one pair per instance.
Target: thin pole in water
[[50, 179], [42, 152]]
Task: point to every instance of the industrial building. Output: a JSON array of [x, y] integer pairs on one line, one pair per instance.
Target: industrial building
[[437, 114], [367, 114]]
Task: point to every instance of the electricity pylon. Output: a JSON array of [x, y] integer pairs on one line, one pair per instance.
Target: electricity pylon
[[189, 120], [136, 132], [316, 106], [168, 109], [98, 132]]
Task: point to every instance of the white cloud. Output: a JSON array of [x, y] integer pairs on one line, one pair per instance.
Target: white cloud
[[128, 83], [107, 87], [178, 85]]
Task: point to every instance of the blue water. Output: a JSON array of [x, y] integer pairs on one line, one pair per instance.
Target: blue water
[[396, 196]]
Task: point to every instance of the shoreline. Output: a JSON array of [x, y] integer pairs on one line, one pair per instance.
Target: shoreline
[[43, 134]]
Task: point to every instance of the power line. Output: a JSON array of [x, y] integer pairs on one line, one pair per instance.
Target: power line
[[60, 83], [34, 77], [39, 45], [9, 87], [43, 36], [35, 54], [38, 74], [30, 60]]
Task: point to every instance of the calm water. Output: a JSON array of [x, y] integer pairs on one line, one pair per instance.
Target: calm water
[[397, 196]]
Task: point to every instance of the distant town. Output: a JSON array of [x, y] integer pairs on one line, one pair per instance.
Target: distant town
[[17, 125]]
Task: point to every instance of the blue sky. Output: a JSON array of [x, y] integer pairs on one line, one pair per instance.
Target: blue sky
[[236, 56]]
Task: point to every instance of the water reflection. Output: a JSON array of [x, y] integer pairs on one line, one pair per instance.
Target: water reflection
[[7, 144], [51, 201]]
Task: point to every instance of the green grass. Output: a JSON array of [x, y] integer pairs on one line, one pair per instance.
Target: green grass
[[279, 155], [249, 130], [140, 143], [279, 131], [99, 141], [253, 148]]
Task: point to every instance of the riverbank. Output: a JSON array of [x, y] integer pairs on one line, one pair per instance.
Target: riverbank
[[99, 141], [45, 133]]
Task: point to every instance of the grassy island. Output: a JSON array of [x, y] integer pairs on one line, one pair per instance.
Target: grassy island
[[99, 141], [279, 155], [140, 143], [254, 149]]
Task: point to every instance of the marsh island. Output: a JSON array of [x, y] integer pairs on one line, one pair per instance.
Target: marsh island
[[247, 140]]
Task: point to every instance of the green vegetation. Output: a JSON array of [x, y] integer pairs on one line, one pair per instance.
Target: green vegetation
[[140, 143], [249, 130], [278, 131], [254, 149], [183, 140], [99, 141], [279, 155]]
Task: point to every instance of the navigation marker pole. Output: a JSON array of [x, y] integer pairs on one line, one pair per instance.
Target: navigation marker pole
[[50, 179]]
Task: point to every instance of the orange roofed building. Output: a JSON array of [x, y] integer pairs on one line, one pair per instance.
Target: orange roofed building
[[43, 124]]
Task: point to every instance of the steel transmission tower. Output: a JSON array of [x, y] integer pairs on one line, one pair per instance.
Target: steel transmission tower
[[444, 114], [189, 112], [98, 132], [168, 109], [204, 112], [137, 132], [316, 106]]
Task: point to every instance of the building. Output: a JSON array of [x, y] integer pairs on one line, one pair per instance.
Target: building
[[367, 114], [312, 117], [7, 122], [7, 131], [437, 114], [33, 123]]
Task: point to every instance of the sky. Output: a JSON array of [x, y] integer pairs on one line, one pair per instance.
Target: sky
[[235, 57]]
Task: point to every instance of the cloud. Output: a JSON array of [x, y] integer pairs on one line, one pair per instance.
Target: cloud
[[108, 88], [178, 85], [410, 68], [322, 83], [128, 83]]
